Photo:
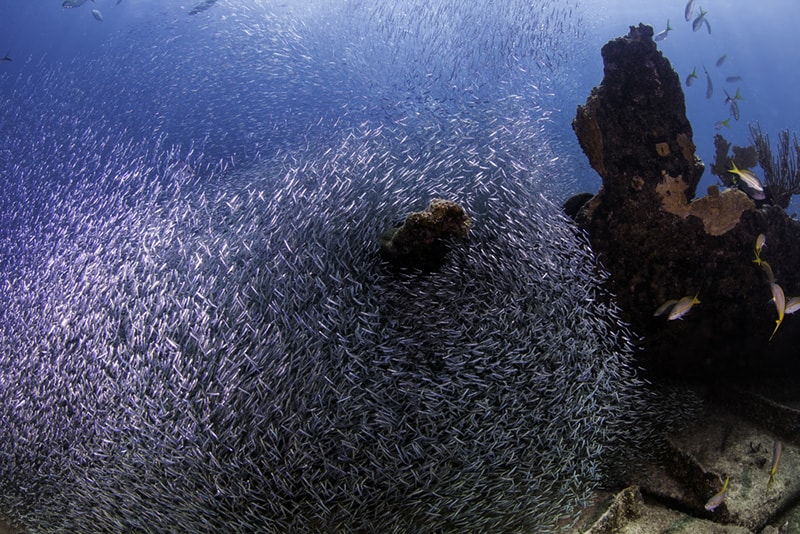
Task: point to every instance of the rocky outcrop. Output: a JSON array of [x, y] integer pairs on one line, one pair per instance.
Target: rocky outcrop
[[659, 243]]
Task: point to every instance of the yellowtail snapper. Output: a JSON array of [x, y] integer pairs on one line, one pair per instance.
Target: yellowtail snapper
[[660, 36], [780, 305], [777, 450], [682, 307], [700, 20], [750, 180], [691, 77], [732, 101], [761, 241], [665, 308], [709, 85], [722, 124], [792, 305], [717, 499], [689, 11]]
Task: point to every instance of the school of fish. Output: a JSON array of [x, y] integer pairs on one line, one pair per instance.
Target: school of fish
[[205, 345]]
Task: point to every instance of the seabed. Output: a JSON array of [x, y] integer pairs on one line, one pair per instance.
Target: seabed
[[734, 436]]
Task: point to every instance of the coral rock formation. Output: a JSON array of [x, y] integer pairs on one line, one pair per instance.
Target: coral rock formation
[[659, 244], [421, 240]]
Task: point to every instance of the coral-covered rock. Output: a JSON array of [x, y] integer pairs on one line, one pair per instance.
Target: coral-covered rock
[[421, 240], [660, 244]]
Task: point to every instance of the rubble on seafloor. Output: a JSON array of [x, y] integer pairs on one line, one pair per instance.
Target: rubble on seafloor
[[735, 437]]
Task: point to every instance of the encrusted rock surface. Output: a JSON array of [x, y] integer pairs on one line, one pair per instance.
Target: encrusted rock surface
[[660, 243]]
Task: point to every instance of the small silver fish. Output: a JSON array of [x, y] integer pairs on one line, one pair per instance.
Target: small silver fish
[[97, 15], [72, 3], [722, 59], [717, 499], [733, 79]]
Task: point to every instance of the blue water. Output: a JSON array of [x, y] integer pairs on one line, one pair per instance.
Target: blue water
[[244, 79]]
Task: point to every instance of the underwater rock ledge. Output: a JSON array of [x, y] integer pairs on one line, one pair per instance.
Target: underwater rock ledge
[[659, 243]]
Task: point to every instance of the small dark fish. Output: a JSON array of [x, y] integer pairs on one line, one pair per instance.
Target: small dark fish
[[733, 79], [722, 59], [732, 101], [709, 85], [73, 3], [689, 11], [735, 110], [691, 77], [199, 8], [6, 57]]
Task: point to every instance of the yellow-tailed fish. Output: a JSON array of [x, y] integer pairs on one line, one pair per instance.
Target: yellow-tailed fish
[[750, 180], [691, 77], [699, 20], [664, 308], [660, 36], [689, 11], [780, 305], [709, 85], [723, 124], [777, 449], [761, 240], [682, 307], [717, 499], [792, 305], [768, 271]]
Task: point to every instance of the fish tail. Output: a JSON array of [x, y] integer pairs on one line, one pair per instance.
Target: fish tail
[[777, 324]]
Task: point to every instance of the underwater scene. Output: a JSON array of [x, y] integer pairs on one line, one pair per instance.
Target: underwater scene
[[399, 266]]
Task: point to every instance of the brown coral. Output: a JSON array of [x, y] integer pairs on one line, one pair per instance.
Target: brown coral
[[420, 240]]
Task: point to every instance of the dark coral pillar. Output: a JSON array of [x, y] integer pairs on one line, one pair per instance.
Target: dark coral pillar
[[658, 246], [634, 124]]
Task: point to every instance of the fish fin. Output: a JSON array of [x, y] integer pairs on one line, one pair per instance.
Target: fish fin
[[777, 324]]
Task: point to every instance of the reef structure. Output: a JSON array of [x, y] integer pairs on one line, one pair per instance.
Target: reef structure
[[421, 240], [660, 243], [239, 358]]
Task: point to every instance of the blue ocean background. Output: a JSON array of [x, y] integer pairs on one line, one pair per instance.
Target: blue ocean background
[[245, 79]]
